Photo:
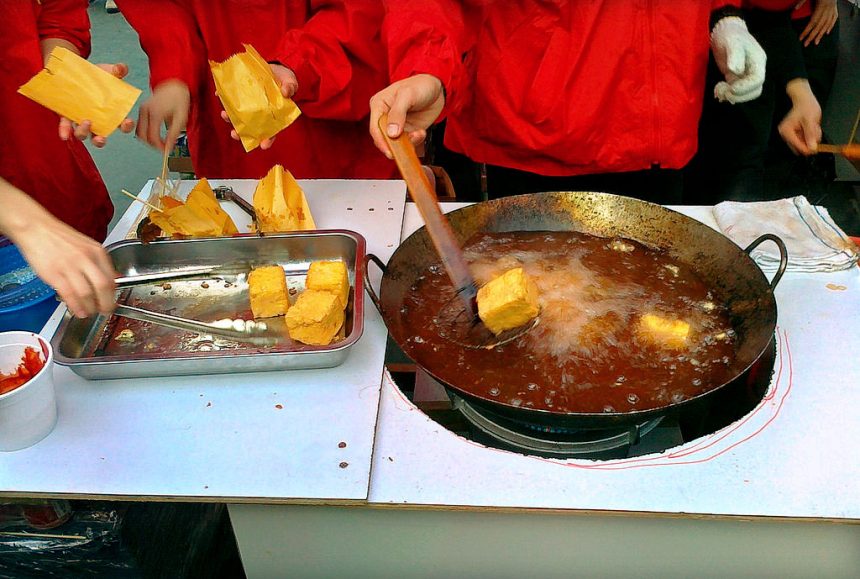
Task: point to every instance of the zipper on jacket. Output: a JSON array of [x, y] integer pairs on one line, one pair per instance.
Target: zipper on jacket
[[655, 99]]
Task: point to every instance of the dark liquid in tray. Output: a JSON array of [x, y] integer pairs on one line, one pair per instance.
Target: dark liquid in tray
[[588, 353]]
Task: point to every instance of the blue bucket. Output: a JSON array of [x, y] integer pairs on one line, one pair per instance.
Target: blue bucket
[[26, 302]]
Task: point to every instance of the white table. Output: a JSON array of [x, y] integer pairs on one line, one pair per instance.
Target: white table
[[261, 437], [775, 495]]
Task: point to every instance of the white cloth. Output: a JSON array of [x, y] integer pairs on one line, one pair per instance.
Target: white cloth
[[813, 240]]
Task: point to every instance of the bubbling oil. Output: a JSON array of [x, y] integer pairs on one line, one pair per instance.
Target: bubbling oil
[[587, 353]]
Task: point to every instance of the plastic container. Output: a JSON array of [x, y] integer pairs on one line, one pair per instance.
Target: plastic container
[[26, 302], [28, 413]]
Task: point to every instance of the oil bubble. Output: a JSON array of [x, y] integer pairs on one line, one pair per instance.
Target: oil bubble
[[516, 402], [494, 391], [608, 408], [632, 398]]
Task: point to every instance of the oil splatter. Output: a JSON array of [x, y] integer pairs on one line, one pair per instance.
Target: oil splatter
[[836, 287], [279, 406]]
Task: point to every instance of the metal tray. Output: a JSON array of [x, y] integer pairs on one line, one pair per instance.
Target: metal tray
[[90, 346]]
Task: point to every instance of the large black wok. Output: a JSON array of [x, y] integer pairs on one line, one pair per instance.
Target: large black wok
[[731, 274]]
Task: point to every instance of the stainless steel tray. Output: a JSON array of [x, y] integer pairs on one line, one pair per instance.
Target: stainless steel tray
[[90, 346]]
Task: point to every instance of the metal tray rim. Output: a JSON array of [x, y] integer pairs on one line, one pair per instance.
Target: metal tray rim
[[355, 335]]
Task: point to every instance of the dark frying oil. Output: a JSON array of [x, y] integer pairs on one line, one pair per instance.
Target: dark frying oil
[[587, 354]]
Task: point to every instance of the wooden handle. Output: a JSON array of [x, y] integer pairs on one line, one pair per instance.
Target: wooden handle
[[437, 225]]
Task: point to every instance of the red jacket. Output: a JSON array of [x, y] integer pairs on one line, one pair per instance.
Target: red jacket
[[59, 174], [333, 46], [566, 87]]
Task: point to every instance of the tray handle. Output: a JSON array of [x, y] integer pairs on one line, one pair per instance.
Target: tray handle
[[367, 285], [783, 255]]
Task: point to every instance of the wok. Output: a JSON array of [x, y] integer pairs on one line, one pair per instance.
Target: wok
[[726, 269]]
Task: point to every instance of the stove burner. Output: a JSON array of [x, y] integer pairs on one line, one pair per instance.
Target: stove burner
[[550, 440]]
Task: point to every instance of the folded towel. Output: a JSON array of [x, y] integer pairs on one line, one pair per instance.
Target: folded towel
[[813, 240]]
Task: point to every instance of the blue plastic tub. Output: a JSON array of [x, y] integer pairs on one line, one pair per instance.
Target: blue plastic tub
[[26, 302]]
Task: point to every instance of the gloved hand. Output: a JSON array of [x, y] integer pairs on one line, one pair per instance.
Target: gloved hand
[[740, 58]]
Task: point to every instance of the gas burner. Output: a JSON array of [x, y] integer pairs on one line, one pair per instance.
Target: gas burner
[[557, 442]]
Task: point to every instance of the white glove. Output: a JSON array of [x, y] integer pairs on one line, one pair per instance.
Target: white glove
[[740, 58]]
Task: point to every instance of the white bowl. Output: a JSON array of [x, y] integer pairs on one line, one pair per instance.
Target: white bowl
[[28, 413]]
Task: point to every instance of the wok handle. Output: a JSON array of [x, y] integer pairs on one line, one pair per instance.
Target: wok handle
[[783, 255], [367, 285]]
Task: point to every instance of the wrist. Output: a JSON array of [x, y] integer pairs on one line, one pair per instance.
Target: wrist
[[798, 90]]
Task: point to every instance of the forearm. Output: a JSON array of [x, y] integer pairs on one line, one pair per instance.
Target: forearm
[[20, 212], [799, 91]]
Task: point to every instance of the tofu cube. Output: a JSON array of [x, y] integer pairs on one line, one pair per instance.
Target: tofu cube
[[329, 276], [267, 287], [509, 301], [663, 332], [315, 318]]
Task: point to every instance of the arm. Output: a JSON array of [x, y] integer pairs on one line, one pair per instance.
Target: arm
[[426, 41], [64, 23], [70, 262], [337, 58], [177, 65], [801, 127]]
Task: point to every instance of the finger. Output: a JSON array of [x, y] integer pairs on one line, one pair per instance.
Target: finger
[[126, 125], [120, 70], [289, 88], [397, 112], [806, 32], [65, 128], [103, 287], [736, 60], [811, 134], [417, 137], [378, 106], [82, 131], [173, 130], [789, 135], [267, 143], [225, 117], [67, 296], [153, 133], [81, 294], [234, 135], [99, 142]]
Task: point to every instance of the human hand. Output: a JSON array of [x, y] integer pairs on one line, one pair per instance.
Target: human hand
[[823, 19], [82, 131], [801, 127], [740, 58], [169, 104], [413, 104], [289, 85], [77, 267]]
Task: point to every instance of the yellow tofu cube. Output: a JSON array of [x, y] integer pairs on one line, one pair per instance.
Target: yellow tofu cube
[[509, 301], [664, 332], [267, 287], [329, 276], [315, 318]]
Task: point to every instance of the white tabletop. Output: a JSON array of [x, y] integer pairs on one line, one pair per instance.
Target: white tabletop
[[267, 437], [796, 455]]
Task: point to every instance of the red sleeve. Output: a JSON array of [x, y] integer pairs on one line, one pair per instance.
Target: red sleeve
[[171, 39], [67, 20], [337, 57]]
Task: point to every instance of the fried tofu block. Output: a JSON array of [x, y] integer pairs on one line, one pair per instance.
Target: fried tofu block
[[509, 301], [329, 276], [664, 332], [267, 287], [202, 201], [315, 318]]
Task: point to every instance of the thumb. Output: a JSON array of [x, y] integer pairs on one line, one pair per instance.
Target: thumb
[[736, 57], [811, 134], [397, 114]]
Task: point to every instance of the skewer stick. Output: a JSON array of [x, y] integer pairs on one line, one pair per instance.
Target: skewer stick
[[854, 130], [136, 198]]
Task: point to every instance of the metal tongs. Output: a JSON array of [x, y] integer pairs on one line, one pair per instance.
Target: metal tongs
[[248, 331]]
